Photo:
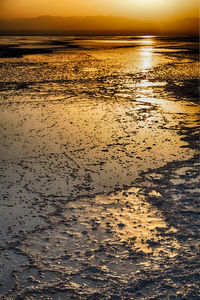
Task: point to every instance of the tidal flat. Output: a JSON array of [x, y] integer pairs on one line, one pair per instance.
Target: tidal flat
[[99, 165]]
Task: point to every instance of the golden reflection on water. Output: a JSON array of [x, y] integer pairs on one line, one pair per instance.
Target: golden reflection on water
[[146, 59], [146, 54], [148, 36], [147, 42]]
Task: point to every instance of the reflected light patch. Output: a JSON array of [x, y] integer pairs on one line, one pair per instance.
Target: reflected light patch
[[146, 83], [147, 49], [148, 42], [148, 36], [146, 54], [147, 60]]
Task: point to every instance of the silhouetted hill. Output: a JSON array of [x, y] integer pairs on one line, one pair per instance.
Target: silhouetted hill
[[96, 25]]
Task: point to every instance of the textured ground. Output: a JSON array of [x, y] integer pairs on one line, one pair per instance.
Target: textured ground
[[99, 169]]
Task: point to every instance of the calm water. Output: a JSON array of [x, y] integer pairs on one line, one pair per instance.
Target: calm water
[[99, 165]]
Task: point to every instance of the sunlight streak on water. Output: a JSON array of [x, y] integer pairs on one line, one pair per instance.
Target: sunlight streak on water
[[142, 41], [147, 59]]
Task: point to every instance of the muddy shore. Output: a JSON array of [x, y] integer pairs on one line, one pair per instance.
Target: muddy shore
[[99, 170]]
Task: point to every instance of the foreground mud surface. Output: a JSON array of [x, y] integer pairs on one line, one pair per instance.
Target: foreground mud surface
[[99, 169]]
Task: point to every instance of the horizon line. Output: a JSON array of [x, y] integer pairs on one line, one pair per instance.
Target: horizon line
[[88, 16]]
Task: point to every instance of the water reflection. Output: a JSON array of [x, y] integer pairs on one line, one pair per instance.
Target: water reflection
[[144, 87], [147, 59]]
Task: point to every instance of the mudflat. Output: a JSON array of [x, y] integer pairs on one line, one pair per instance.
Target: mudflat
[[99, 165]]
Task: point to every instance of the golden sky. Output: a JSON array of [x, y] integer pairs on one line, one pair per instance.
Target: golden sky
[[139, 9]]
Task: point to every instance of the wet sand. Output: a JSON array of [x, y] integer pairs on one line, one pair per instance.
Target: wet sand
[[99, 169]]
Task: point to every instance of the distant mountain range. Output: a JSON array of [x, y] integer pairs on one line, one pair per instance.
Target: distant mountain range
[[97, 25]]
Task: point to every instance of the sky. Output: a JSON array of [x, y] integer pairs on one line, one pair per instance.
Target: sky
[[138, 9]]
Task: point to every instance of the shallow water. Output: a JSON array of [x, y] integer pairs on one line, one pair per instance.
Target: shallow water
[[99, 167]]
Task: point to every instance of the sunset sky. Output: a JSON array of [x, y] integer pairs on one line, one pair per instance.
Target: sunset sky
[[140, 9]]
